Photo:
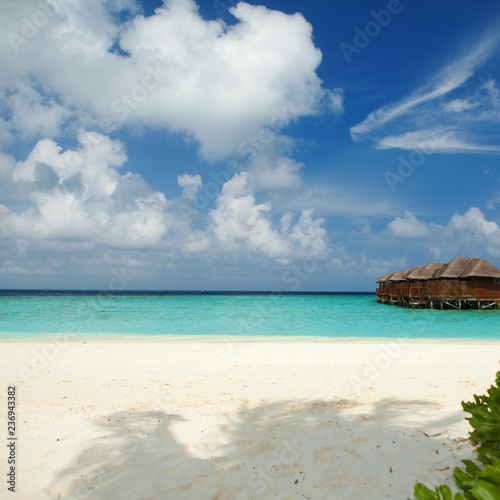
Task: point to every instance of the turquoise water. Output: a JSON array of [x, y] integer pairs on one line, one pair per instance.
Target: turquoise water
[[358, 316]]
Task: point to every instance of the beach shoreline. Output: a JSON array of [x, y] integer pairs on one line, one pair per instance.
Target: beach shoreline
[[83, 338], [212, 418]]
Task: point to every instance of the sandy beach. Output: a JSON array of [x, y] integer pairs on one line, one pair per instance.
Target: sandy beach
[[239, 420]]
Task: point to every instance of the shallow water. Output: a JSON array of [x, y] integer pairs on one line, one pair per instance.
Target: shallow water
[[25, 316]]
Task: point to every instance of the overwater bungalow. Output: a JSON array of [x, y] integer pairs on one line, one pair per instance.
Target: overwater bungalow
[[463, 283]]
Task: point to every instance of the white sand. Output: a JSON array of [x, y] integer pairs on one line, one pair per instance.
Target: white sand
[[219, 420]]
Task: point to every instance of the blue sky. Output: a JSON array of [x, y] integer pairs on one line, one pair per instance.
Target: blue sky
[[274, 145]]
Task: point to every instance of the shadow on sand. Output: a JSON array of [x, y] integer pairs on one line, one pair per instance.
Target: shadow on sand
[[291, 450]]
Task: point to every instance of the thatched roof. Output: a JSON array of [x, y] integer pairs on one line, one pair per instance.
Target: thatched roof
[[468, 267], [415, 273], [483, 269], [397, 276], [407, 273], [461, 267], [425, 272], [384, 278]]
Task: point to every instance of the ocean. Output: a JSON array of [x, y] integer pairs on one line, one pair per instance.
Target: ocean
[[130, 315]]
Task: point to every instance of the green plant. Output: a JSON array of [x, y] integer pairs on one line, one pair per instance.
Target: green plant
[[485, 421], [476, 483], [440, 493]]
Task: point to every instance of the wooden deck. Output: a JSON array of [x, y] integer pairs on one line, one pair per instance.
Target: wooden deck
[[475, 293]]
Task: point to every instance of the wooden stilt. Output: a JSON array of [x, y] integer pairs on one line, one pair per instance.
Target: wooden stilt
[[439, 293], [488, 305]]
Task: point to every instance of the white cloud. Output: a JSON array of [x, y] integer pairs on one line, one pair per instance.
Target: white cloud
[[470, 234], [33, 113], [459, 105], [191, 184], [474, 221], [408, 227], [97, 64], [79, 198], [218, 84], [238, 222], [335, 200], [429, 119], [270, 173], [335, 100], [433, 140], [450, 78]]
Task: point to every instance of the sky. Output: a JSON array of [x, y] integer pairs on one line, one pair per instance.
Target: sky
[[261, 145]]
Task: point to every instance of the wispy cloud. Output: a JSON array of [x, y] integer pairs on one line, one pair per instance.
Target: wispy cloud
[[432, 141], [430, 103], [336, 200]]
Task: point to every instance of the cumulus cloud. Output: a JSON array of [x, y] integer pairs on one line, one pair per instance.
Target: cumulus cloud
[[191, 184], [79, 197], [408, 227], [238, 222], [468, 234], [216, 83], [475, 222], [31, 113], [100, 65], [275, 173]]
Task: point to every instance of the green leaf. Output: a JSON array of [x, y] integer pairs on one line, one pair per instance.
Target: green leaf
[[421, 492], [463, 480], [469, 496], [483, 490], [483, 424], [446, 492], [490, 474], [471, 467], [475, 482]]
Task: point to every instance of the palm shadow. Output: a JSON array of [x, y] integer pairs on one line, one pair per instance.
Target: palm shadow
[[287, 450]]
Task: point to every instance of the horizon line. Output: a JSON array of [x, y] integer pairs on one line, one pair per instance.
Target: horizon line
[[199, 291]]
